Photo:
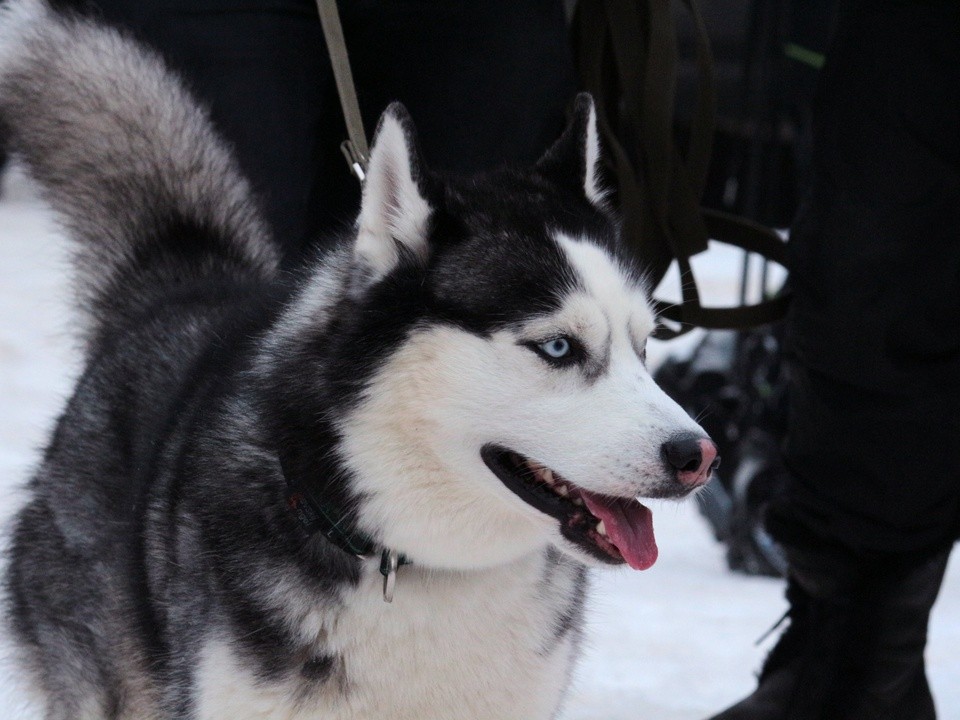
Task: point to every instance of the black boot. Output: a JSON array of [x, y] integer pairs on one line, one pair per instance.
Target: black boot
[[854, 646]]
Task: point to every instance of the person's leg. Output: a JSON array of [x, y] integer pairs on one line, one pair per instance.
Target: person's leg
[[874, 375], [874, 332]]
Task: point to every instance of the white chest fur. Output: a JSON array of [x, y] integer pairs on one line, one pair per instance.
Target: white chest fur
[[453, 646]]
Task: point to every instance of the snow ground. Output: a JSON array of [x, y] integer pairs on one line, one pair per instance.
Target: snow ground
[[673, 643]]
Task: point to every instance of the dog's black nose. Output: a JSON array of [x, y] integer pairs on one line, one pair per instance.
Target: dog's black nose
[[683, 453], [691, 457]]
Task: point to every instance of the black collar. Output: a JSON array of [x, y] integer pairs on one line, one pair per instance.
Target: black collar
[[325, 518], [316, 517]]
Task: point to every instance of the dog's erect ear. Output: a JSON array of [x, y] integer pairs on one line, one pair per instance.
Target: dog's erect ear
[[393, 212], [575, 157]]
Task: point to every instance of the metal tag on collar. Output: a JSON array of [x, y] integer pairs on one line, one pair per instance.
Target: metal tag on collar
[[389, 562]]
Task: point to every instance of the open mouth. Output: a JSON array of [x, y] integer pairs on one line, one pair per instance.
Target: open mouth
[[612, 529]]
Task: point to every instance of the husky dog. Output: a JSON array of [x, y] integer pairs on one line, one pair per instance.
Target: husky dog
[[451, 407]]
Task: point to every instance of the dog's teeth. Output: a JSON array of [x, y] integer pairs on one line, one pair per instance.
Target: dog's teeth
[[547, 476], [562, 489], [601, 528], [578, 501]]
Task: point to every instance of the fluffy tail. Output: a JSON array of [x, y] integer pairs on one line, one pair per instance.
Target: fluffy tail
[[123, 154]]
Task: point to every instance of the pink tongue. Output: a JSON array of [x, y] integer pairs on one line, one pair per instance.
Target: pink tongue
[[629, 526]]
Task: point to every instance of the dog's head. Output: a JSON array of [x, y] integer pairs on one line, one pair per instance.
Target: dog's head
[[501, 398]]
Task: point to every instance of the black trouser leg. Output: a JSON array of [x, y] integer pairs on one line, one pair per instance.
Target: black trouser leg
[[874, 332], [872, 444]]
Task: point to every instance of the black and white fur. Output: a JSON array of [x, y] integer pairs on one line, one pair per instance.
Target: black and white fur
[[157, 571]]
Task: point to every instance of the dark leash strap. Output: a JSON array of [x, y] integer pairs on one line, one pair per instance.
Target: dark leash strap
[[626, 53], [751, 237]]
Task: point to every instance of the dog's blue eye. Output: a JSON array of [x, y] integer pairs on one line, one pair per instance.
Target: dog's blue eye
[[557, 348], [559, 351]]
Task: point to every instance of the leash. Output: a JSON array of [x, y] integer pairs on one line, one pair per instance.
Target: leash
[[355, 149]]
